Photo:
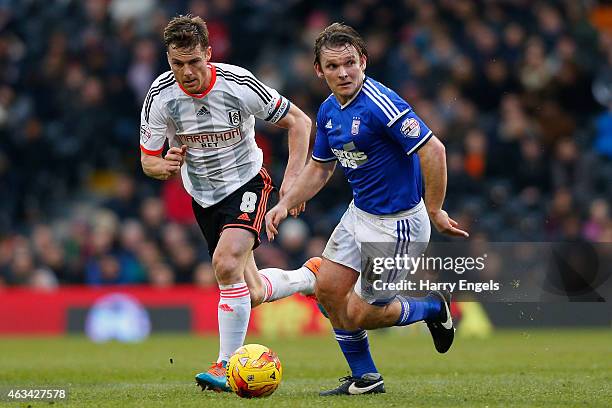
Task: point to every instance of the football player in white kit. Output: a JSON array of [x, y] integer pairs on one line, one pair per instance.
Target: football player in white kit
[[207, 113], [386, 152]]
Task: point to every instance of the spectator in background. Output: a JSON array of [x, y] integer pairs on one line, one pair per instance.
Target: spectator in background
[[8, 183], [49, 252], [160, 275], [43, 279], [183, 260], [513, 40], [22, 266], [143, 69], [108, 263], [124, 201], [599, 220], [475, 154], [561, 208], [533, 172], [149, 254], [177, 202], [572, 170], [514, 124], [204, 275], [535, 74], [459, 182], [293, 237], [153, 216], [553, 123]]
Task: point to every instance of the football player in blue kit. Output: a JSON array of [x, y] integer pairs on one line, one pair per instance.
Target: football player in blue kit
[[387, 153]]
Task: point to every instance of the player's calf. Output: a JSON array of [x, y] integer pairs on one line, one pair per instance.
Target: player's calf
[[334, 284], [372, 316], [254, 282], [257, 295]]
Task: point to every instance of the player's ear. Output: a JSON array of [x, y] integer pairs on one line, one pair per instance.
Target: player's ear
[[363, 62], [318, 70], [207, 53]]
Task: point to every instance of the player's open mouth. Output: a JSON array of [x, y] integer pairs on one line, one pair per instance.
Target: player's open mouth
[[345, 84], [191, 82]]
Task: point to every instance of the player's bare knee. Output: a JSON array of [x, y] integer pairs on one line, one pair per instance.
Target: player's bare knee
[[226, 269]]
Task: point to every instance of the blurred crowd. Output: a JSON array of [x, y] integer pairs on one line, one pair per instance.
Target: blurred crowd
[[520, 92]]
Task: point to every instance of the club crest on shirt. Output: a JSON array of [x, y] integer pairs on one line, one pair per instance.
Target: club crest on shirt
[[234, 117], [411, 127], [355, 126]]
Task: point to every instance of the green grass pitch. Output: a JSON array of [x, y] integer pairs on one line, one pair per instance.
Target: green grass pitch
[[547, 368]]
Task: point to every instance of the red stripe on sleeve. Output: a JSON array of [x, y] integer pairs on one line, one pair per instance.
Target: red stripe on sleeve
[[151, 152]]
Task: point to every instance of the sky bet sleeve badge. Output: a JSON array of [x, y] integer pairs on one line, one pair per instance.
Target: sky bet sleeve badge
[[411, 127]]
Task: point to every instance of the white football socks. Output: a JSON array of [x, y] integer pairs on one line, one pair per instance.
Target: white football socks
[[233, 313], [235, 303], [280, 283]]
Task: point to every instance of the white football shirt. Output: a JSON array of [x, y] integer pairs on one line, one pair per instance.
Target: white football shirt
[[218, 126]]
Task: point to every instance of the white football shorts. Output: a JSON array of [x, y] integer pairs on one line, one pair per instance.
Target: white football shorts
[[391, 235]]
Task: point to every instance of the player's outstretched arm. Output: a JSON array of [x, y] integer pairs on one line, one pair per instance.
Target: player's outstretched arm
[[298, 125], [162, 168], [310, 181], [432, 156]]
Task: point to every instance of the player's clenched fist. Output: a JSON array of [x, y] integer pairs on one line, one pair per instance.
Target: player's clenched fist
[[174, 159], [176, 155]]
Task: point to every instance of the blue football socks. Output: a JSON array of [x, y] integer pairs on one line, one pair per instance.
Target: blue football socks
[[356, 349], [417, 309]]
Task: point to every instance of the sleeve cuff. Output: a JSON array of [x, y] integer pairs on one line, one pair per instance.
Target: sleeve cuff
[[151, 152], [320, 160], [420, 143]]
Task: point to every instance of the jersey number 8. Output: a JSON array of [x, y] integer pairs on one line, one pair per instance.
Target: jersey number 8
[[249, 200]]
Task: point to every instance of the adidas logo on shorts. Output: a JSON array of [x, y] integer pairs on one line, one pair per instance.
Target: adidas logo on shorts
[[244, 217]]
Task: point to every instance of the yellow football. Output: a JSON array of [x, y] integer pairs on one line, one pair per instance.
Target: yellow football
[[254, 371]]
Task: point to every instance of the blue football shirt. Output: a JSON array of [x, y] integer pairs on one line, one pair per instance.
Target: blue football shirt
[[374, 137]]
